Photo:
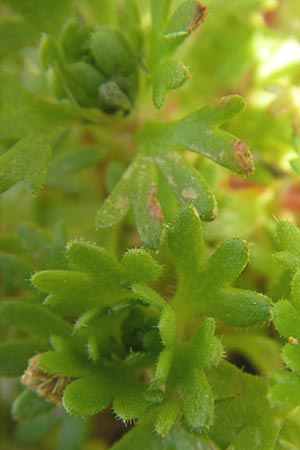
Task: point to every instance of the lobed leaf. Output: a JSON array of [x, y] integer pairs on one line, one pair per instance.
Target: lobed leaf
[[197, 401], [64, 363], [94, 259], [62, 282], [169, 75], [186, 241], [139, 266], [130, 403], [199, 133], [89, 395]]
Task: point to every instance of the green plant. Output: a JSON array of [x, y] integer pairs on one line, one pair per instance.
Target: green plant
[[154, 315]]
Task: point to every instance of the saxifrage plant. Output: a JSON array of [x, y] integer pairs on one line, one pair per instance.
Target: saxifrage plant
[[133, 316]]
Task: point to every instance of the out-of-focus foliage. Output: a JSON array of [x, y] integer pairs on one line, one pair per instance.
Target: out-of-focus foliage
[[149, 249]]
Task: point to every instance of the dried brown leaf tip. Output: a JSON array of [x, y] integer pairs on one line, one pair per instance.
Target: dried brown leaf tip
[[199, 16], [243, 157], [44, 384]]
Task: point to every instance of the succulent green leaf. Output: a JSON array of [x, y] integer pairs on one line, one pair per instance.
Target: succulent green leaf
[[35, 319], [186, 241], [130, 403], [197, 401], [148, 296], [14, 356], [62, 282], [168, 326], [29, 405], [139, 266], [186, 182], [94, 259], [205, 349], [286, 319], [169, 75], [89, 395], [64, 363], [240, 307], [227, 262], [166, 416], [86, 76], [163, 367], [111, 52]]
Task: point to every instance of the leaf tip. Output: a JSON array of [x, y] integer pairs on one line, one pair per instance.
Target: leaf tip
[[243, 157]]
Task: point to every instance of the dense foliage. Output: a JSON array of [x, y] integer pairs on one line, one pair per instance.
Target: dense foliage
[[149, 254]]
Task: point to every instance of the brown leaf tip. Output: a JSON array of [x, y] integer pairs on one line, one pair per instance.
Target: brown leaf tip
[[199, 17], [154, 206], [243, 157]]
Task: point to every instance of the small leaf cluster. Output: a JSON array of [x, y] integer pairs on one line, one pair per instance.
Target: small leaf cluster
[[123, 345], [92, 68]]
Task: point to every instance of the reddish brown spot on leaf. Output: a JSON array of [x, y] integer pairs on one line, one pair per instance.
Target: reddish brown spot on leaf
[[199, 17], [154, 206], [243, 157], [293, 340]]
